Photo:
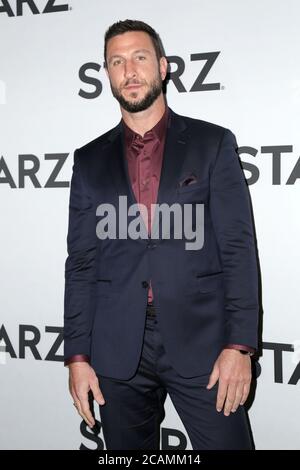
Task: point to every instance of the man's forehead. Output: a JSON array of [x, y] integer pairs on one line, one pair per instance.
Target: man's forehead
[[132, 41]]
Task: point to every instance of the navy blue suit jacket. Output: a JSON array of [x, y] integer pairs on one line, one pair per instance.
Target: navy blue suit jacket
[[206, 298]]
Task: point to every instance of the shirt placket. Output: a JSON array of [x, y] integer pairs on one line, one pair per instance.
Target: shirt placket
[[146, 196]]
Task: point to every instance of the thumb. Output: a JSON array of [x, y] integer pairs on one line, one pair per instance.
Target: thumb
[[214, 376], [97, 394]]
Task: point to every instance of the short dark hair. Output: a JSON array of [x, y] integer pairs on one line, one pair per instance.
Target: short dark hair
[[121, 27]]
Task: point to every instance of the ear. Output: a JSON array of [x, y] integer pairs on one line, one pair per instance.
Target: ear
[[163, 67]]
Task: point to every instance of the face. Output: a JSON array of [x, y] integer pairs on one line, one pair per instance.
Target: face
[[135, 74]]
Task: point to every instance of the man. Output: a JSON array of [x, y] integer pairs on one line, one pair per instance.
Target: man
[[146, 316]]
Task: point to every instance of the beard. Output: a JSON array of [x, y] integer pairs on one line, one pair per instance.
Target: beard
[[144, 103]]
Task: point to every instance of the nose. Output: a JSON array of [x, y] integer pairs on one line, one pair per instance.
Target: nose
[[129, 70]]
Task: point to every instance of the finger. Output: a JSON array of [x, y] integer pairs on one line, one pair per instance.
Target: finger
[[78, 401], [214, 377], [222, 392], [238, 397], [86, 412], [87, 421], [84, 417], [78, 408], [246, 391], [230, 397], [97, 394], [78, 405]]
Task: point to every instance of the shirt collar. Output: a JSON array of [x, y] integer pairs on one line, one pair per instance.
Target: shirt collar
[[159, 129]]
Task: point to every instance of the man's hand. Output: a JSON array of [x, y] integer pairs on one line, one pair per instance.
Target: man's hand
[[233, 370], [82, 378]]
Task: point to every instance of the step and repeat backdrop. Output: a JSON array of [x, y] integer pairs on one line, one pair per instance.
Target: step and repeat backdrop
[[234, 63]]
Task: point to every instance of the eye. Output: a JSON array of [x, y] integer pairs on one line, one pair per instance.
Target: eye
[[141, 57], [116, 62]]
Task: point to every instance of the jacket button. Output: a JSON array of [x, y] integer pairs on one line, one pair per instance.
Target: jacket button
[[145, 284], [151, 245]]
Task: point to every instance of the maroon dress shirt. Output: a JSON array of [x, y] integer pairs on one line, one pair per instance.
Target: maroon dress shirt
[[144, 158]]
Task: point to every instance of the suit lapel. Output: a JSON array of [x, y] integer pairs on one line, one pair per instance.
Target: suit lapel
[[174, 155], [118, 164]]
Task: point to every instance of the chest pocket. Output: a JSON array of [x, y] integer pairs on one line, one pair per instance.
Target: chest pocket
[[195, 192]]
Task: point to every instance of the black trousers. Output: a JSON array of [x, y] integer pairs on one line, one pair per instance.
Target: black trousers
[[134, 408]]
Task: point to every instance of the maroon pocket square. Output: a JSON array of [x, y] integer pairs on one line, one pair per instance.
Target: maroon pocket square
[[188, 180]]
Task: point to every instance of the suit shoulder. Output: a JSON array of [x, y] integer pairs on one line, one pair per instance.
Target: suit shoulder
[[205, 128]]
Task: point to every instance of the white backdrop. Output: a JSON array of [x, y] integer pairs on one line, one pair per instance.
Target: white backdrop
[[48, 108]]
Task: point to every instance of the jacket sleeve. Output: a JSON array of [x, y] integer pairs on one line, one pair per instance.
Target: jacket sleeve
[[232, 221], [79, 268]]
